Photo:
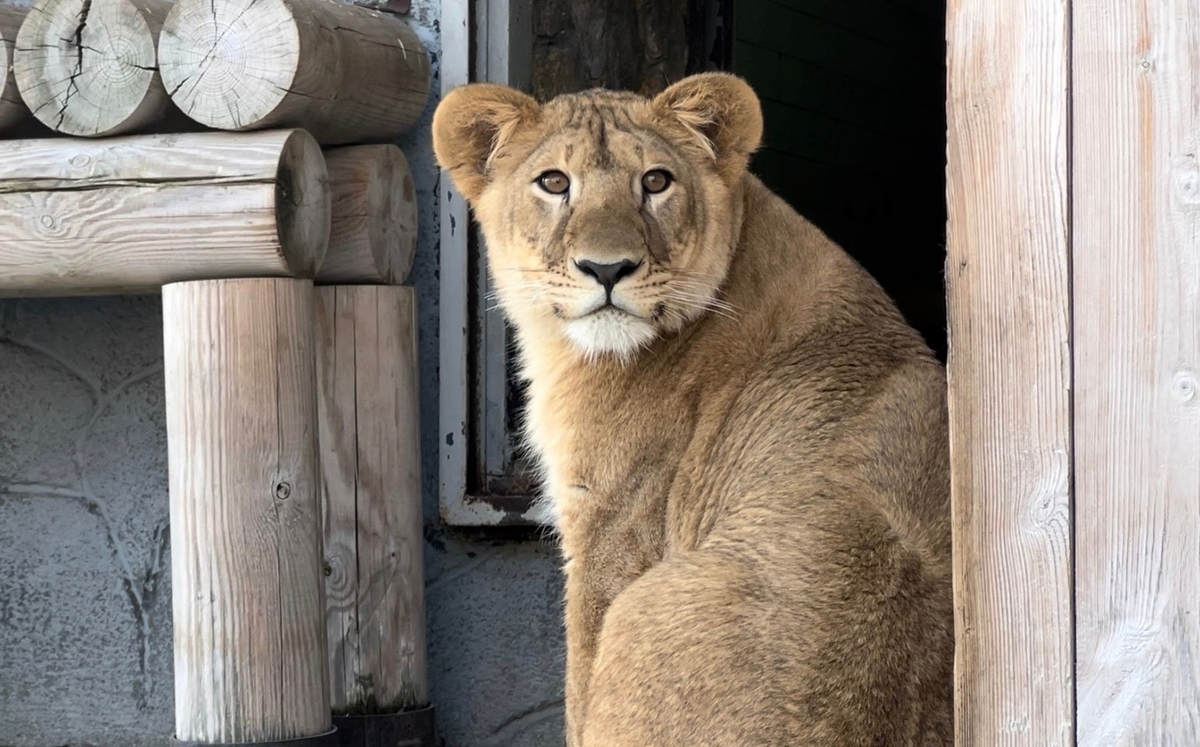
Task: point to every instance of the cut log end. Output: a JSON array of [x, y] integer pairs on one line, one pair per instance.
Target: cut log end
[[373, 236], [12, 108], [229, 65], [89, 67], [302, 202]]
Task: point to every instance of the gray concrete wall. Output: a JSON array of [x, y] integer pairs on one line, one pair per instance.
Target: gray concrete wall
[[85, 582]]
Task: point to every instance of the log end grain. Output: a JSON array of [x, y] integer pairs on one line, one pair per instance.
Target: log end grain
[[373, 236], [303, 204], [229, 65], [88, 68], [12, 108]]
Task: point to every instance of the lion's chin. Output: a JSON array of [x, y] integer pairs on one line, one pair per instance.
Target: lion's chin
[[610, 332]]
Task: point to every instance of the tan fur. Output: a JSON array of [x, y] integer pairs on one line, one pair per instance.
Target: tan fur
[[751, 480]]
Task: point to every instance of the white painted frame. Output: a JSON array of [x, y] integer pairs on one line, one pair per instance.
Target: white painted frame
[[500, 32]]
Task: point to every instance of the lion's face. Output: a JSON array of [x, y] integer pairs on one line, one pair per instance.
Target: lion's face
[[610, 219]]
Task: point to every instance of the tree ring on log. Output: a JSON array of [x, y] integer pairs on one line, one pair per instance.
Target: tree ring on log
[[89, 67], [302, 184], [229, 65]]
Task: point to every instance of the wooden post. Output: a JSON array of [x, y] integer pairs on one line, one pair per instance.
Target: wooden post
[[1136, 270], [373, 234], [1008, 281], [90, 67], [249, 610], [12, 107], [128, 214], [345, 73], [370, 461]]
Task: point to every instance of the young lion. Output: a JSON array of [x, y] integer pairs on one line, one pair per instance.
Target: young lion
[[744, 445]]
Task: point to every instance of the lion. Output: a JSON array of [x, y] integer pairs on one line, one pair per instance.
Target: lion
[[743, 444]]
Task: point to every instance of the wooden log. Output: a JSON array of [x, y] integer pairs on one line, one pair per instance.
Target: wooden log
[[1009, 296], [12, 107], [1136, 289], [367, 408], [373, 232], [345, 73], [89, 67], [128, 214], [249, 609]]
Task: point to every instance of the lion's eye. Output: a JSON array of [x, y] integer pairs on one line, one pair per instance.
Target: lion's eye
[[656, 181], [554, 182]]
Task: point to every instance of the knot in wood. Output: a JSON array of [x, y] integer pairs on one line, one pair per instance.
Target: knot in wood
[[282, 491]]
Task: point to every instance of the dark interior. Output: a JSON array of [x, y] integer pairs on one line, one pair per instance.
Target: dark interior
[[854, 104]]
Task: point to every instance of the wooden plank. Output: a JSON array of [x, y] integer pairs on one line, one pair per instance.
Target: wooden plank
[[1136, 176], [370, 451], [247, 601], [1009, 370]]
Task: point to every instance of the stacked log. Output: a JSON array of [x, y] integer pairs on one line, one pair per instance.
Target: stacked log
[[89, 67], [12, 108], [129, 214], [184, 156], [373, 236], [345, 73]]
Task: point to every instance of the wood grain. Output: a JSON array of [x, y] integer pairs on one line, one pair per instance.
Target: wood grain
[[1136, 167], [128, 214], [1009, 370], [370, 460], [345, 73], [373, 233], [89, 67], [248, 605], [12, 107]]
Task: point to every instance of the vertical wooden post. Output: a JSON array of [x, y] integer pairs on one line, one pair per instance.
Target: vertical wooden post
[[1010, 370], [370, 461], [1136, 197], [249, 611]]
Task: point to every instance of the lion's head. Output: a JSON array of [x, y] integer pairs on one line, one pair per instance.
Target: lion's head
[[610, 218]]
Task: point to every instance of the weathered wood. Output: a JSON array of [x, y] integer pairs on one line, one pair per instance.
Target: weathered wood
[[89, 67], [249, 610], [1009, 370], [373, 236], [1136, 270], [345, 73], [12, 107], [128, 214], [370, 462]]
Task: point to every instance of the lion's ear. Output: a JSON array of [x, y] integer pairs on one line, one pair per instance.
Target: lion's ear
[[721, 111], [470, 124]]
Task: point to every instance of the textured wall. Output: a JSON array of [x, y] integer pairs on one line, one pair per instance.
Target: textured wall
[[85, 587]]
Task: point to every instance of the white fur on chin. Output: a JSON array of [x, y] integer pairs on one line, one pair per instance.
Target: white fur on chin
[[609, 332]]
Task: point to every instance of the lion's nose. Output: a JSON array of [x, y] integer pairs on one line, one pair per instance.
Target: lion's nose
[[607, 274]]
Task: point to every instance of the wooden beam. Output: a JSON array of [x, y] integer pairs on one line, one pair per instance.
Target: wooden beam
[[248, 605], [90, 68], [367, 407], [1008, 278], [346, 73], [12, 107], [373, 236], [1136, 177], [128, 214]]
